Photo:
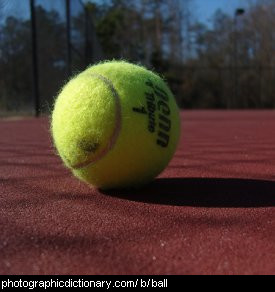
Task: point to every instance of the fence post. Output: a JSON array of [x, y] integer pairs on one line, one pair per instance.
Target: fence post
[[68, 37], [35, 72]]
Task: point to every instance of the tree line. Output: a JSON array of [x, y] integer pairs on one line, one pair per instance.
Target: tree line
[[228, 63]]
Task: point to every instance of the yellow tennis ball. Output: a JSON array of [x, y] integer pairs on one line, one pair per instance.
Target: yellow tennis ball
[[116, 125]]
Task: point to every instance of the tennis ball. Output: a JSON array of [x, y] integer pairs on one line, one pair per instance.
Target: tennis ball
[[115, 125]]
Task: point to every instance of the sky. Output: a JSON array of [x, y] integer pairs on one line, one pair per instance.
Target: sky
[[206, 8]]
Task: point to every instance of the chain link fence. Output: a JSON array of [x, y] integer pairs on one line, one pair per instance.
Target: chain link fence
[[41, 44], [225, 87]]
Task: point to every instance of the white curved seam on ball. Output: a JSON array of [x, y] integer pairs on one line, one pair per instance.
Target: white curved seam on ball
[[117, 126]]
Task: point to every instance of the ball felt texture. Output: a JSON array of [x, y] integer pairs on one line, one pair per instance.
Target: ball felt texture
[[116, 125]]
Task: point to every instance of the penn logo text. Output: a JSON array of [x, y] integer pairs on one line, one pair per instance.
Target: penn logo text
[[158, 112]]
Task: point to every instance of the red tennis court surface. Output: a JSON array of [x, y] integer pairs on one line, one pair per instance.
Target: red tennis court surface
[[212, 211]]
